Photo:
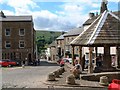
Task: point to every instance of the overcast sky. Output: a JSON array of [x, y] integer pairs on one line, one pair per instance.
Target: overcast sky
[[55, 14]]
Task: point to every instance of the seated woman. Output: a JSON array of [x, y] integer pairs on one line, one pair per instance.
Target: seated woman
[[76, 71]]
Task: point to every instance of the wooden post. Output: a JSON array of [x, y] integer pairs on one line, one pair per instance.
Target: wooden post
[[90, 66], [73, 55], [80, 55], [118, 56], [96, 52], [106, 57]]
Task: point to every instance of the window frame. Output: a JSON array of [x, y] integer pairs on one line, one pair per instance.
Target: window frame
[[6, 32], [20, 44], [7, 43], [20, 32]]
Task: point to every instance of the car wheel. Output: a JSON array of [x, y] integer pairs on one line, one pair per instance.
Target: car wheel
[[9, 65]]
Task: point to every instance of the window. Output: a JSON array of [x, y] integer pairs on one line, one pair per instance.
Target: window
[[21, 44], [7, 32], [57, 42], [22, 32], [68, 39], [7, 44]]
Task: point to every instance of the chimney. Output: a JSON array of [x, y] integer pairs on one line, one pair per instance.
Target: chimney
[[96, 13], [2, 14], [91, 15], [103, 6]]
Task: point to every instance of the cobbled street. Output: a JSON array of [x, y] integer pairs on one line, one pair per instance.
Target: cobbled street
[[28, 77]]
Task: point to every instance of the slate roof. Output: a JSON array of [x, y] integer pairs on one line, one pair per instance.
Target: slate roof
[[90, 20], [53, 44], [74, 32], [61, 37], [104, 30], [16, 18], [117, 13]]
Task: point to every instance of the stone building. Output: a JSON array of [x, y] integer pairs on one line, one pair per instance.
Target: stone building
[[18, 38], [0, 40], [60, 45], [68, 37], [53, 51]]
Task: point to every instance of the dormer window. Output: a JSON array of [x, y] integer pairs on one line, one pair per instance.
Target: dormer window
[[7, 32], [22, 32]]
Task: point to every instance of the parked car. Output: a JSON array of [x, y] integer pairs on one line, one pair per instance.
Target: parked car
[[12, 63], [8, 62], [62, 63], [4, 63], [68, 60]]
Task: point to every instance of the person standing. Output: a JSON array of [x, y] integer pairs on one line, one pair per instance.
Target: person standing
[[38, 61]]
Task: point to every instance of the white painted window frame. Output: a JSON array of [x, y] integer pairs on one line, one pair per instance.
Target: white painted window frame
[[20, 32], [6, 32], [7, 43], [21, 41]]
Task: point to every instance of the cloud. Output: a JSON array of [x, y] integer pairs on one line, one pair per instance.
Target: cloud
[[70, 15], [64, 19], [8, 12], [77, 1], [48, 20]]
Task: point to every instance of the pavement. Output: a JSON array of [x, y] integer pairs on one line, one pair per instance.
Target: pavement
[[34, 77], [79, 83], [28, 77]]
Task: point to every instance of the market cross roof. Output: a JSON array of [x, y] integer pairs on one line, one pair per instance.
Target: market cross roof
[[104, 30]]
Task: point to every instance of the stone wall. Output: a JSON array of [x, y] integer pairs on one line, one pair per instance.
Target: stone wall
[[0, 53], [15, 37], [96, 77], [0, 40]]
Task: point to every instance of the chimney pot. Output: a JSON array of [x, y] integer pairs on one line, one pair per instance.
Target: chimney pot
[[91, 15]]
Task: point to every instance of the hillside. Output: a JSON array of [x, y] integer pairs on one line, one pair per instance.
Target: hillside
[[44, 38], [49, 36]]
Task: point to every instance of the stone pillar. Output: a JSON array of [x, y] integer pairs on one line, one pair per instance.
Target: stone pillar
[[106, 57], [80, 55], [90, 66], [73, 55], [118, 56]]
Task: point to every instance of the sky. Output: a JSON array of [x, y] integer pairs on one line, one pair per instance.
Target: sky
[[55, 15]]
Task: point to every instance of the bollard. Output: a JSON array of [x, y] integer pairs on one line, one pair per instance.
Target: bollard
[[60, 71], [104, 80], [51, 77], [23, 66], [70, 79], [56, 73]]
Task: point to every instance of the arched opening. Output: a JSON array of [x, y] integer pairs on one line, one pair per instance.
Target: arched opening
[[29, 58]]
